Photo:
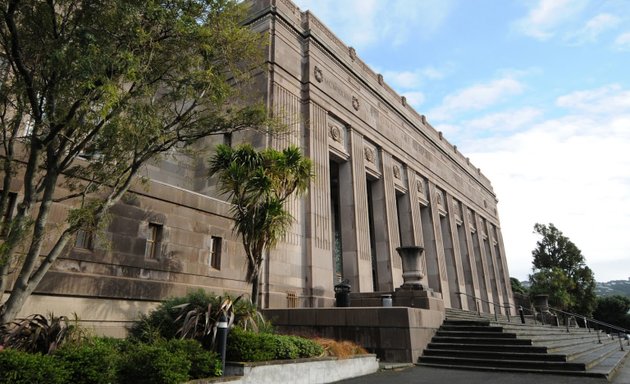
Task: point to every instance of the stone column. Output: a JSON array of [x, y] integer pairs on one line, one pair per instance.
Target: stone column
[[355, 226], [468, 223], [454, 217], [416, 187], [393, 278], [507, 286], [319, 246], [483, 237], [441, 272]]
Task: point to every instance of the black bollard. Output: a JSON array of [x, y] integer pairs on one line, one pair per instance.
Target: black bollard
[[222, 333], [521, 314]]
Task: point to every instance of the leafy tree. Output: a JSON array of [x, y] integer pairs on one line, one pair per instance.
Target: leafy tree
[[258, 183], [559, 269], [517, 287], [92, 90], [613, 310]]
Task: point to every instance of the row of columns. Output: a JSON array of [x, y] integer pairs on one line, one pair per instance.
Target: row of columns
[[463, 250]]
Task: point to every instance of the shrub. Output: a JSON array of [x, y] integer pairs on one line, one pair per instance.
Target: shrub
[[249, 346], [90, 362], [38, 333], [153, 364], [195, 316], [306, 347], [203, 363], [19, 367], [340, 349]]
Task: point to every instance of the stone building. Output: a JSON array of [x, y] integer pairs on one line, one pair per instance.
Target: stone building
[[384, 178]]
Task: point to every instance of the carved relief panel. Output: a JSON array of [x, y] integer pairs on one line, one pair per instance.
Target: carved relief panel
[[400, 175], [372, 158], [440, 201], [457, 212], [338, 137], [422, 187], [471, 221]]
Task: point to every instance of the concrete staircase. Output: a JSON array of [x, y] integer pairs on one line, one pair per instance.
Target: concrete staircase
[[469, 341]]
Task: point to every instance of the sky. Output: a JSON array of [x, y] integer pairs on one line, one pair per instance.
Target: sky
[[535, 92]]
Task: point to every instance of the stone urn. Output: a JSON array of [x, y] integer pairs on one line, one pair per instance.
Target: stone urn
[[411, 256], [541, 303]]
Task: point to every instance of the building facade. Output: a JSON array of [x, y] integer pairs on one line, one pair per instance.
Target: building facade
[[384, 178]]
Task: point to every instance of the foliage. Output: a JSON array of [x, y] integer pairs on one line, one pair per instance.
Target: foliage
[[249, 346], [153, 364], [94, 361], [307, 347], [92, 91], [517, 287], [613, 310], [196, 316], [37, 333], [18, 367], [341, 349], [258, 183], [559, 266], [203, 363], [555, 283]]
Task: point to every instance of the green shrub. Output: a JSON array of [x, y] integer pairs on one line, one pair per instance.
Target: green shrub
[[153, 364], [91, 362], [307, 347], [203, 363], [18, 367], [248, 346]]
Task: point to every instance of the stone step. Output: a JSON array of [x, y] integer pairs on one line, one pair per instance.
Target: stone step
[[475, 334], [521, 364], [488, 347], [482, 343], [495, 355]]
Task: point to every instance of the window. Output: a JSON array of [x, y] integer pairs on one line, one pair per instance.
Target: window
[[154, 237], [214, 258], [8, 214], [84, 239]]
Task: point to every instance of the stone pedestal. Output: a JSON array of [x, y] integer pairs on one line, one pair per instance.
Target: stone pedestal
[[426, 299], [411, 266]]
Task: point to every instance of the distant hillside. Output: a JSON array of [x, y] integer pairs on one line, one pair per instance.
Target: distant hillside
[[614, 287], [609, 288]]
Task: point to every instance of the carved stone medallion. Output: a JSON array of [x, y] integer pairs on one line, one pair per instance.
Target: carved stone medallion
[[319, 75], [369, 154], [335, 133], [355, 103], [396, 171], [420, 187]]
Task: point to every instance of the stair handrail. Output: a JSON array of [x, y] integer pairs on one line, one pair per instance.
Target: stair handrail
[[620, 330], [592, 320], [477, 299]]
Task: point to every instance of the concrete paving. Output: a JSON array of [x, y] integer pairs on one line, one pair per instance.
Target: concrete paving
[[430, 375]]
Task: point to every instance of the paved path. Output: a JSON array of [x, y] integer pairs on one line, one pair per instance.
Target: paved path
[[429, 375]]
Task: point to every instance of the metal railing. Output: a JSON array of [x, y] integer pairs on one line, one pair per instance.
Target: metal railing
[[612, 329], [589, 323], [477, 300]]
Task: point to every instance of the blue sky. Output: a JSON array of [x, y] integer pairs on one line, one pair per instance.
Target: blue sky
[[535, 92]]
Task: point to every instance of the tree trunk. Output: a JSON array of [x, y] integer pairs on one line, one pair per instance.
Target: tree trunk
[[255, 289]]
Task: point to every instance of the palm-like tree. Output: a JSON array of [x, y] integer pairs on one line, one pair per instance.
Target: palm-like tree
[[258, 183]]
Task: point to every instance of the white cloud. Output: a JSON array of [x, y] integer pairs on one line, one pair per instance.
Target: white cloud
[[622, 42], [544, 19], [571, 171], [412, 79], [594, 28], [509, 121], [415, 99], [607, 99], [362, 23], [476, 97]]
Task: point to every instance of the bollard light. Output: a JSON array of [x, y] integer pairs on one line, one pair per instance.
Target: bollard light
[[222, 333]]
